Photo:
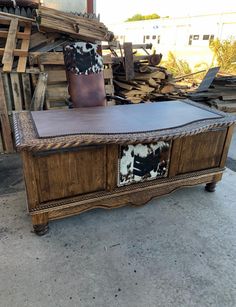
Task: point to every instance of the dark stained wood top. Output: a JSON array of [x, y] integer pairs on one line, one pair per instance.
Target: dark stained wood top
[[26, 137], [138, 118]]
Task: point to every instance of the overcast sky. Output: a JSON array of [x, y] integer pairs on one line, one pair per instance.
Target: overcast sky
[[112, 11]]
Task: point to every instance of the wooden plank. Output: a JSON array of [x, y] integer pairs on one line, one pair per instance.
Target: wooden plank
[[8, 91], [39, 93], [27, 93], [109, 89], [202, 151], [24, 46], [123, 85], [51, 58], [57, 92], [57, 76], [30, 179], [19, 35], [16, 52], [4, 119], [112, 166], [38, 39], [129, 61], [8, 57], [226, 145], [1, 142], [176, 153], [23, 59], [108, 73], [16, 90]]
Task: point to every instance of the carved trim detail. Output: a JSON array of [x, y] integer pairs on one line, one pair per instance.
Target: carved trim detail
[[26, 137], [161, 185]]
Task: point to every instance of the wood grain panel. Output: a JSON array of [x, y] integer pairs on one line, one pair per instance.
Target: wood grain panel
[[66, 174], [202, 151]]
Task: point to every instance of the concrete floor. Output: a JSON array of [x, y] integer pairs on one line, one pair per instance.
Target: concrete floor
[[177, 251]]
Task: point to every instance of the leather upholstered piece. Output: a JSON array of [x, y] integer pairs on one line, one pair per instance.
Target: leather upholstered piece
[[118, 119]]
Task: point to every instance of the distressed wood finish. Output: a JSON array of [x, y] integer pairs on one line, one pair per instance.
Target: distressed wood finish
[[64, 174], [208, 154], [62, 182], [4, 121]]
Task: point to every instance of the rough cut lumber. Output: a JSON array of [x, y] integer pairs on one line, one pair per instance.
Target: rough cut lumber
[[27, 94], [8, 55], [78, 26], [14, 36], [129, 61], [39, 93], [4, 120], [16, 90]]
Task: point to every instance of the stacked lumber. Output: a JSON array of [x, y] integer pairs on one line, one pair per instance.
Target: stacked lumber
[[74, 25], [32, 71], [221, 95], [150, 83]]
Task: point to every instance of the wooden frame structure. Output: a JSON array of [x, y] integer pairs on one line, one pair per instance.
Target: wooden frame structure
[[69, 175]]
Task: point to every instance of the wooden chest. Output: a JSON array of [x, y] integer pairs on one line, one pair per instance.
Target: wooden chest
[[69, 174]]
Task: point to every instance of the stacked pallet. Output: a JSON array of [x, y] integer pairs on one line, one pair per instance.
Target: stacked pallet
[[32, 72]]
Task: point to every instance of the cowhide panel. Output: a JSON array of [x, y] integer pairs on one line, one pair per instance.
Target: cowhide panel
[[143, 162], [82, 58]]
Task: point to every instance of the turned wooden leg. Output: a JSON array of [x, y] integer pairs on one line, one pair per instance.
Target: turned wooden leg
[[40, 223], [210, 187]]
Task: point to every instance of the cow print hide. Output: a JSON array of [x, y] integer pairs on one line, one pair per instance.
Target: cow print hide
[[82, 58], [143, 162]]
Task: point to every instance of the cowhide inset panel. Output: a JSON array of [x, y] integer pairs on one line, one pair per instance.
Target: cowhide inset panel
[[82, 58], [143, 162]]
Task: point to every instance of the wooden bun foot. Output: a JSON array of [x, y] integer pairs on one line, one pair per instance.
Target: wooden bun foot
[[210, 187], [41, 229]]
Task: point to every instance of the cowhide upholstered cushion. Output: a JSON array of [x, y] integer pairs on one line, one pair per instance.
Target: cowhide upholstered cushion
[[82, 58], [143, 162]]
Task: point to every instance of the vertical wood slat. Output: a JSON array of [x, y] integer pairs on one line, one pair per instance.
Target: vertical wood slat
[[226, 145], [24, 46], [4, 119], [129, 61], [27, 93], [112, 157], [16, 90], [1, 142], [8, 93], [38, 99], [8, 55]]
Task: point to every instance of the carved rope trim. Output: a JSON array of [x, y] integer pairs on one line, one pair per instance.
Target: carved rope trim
[[126, 189]]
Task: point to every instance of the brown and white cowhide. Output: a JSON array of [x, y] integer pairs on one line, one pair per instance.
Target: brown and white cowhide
[[82, 58], [143, 162]]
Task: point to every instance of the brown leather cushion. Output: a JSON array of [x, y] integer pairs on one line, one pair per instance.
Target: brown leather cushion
[[118, 119], [86, 90]]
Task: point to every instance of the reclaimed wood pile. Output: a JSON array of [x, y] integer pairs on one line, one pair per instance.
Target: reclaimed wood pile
[[140, 78], [221, 95], [149, 83], [32, 72]]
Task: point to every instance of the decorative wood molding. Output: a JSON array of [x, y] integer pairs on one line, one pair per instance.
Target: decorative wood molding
[[26, 138]]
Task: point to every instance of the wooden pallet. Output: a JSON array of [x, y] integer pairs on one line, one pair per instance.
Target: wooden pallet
[[16, 34], [57, 87]]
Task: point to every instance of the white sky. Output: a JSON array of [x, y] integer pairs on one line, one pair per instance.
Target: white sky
[[112, 11]]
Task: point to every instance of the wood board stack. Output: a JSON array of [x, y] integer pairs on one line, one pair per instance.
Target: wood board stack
[[76, 26], [221, 95], [149, 83]]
